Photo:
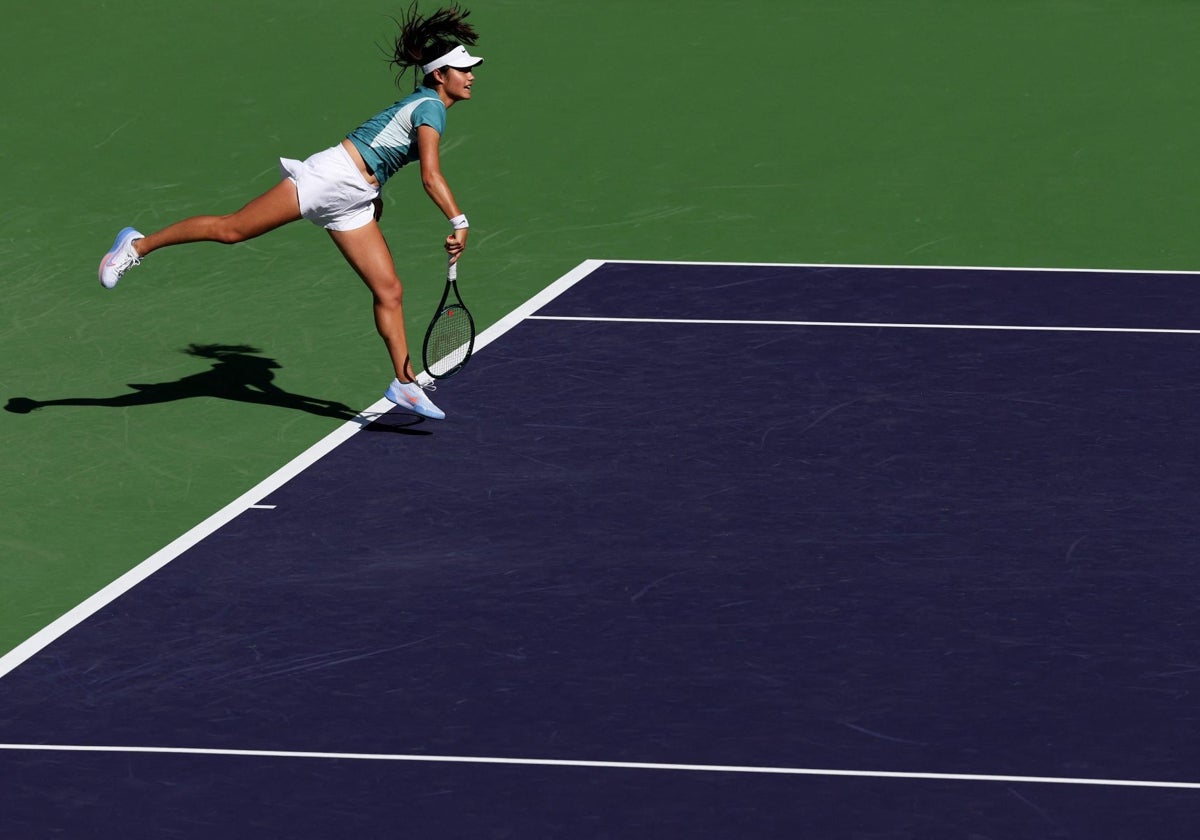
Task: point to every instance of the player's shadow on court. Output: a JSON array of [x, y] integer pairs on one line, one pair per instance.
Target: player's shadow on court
[[237, 373]]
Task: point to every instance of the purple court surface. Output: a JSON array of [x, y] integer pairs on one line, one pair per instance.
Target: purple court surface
[[702, 551]]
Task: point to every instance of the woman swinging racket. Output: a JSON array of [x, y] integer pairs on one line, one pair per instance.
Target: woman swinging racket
[[339, 187]]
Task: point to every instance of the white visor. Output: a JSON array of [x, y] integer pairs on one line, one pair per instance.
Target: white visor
[[457, 57]]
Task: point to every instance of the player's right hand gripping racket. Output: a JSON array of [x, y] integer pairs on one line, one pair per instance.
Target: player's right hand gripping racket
[[450, 339]]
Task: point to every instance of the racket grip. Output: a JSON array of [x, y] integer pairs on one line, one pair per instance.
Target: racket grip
[[452, 271]]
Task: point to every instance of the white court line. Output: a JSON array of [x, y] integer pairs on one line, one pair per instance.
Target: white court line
[[607, 765], [252, 498], [914, 267], [868, 324]]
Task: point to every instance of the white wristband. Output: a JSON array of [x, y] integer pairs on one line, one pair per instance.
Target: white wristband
[[459, 222]]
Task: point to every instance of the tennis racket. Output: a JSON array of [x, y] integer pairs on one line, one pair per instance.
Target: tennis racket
[[450, 339]]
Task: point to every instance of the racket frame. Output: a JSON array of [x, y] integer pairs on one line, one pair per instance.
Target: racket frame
[[450, 300]]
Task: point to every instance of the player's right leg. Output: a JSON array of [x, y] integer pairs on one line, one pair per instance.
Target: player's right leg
[[276, 207]]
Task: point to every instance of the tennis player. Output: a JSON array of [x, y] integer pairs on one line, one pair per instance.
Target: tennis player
[[339, 188]]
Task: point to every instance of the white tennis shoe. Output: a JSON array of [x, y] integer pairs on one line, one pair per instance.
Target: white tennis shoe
[[120, 258], [412, 397]]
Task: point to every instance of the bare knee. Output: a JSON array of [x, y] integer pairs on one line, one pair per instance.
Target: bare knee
[[389, 296], [228, 231]]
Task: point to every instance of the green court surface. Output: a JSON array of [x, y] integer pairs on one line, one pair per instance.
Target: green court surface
[[1050, 133]]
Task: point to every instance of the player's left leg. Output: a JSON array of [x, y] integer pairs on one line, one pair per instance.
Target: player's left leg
[[368, 254]]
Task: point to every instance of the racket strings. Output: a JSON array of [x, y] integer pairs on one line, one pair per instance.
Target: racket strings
[[449, 340]]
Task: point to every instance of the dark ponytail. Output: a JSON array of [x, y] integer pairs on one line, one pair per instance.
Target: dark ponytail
[[424, 38]]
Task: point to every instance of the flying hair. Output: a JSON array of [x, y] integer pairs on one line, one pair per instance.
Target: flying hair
[[424, 38]]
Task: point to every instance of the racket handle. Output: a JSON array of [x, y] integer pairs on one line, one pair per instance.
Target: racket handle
[[452, 271]]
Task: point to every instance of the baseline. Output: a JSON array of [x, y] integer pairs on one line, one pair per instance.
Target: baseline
[[863, 324], [608, 765]]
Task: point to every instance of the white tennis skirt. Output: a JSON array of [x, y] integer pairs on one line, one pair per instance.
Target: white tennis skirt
[[333, 192]]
